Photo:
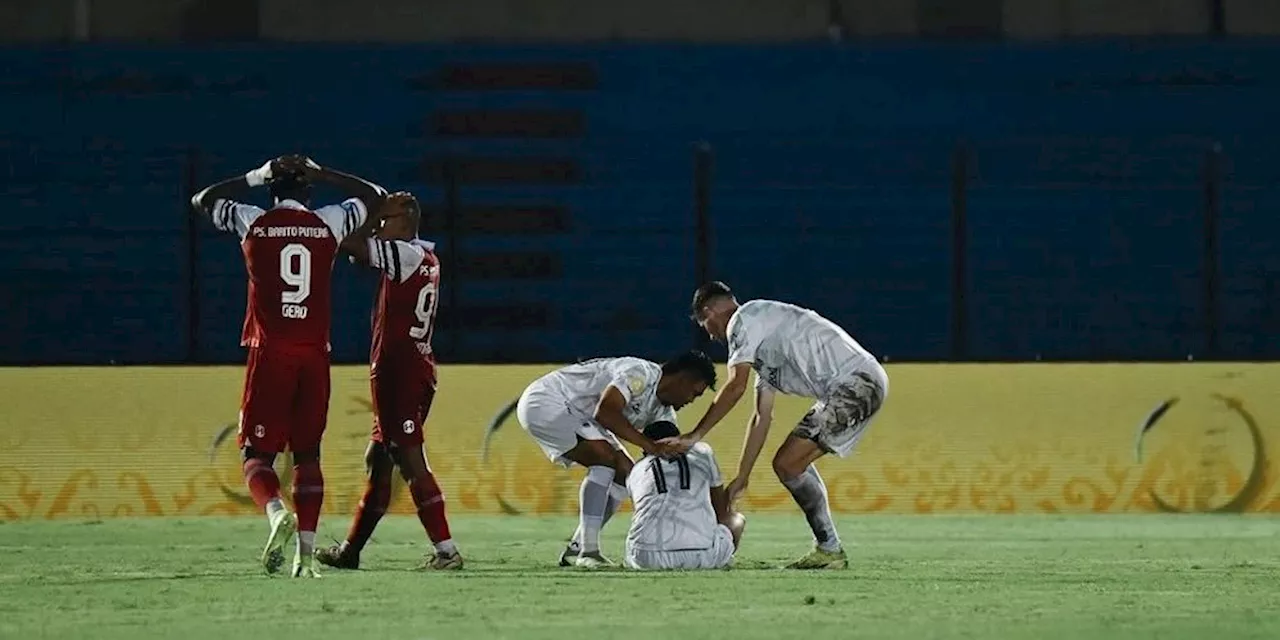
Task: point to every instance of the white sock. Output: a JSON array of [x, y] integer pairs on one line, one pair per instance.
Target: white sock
[[593, 503], [274, 508], [617, 495], [446, 547], [810, 493], [306, 543]]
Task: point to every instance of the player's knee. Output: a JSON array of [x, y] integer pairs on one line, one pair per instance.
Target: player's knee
[[411, 461], [593, 453], [306, 456], [621, 468], [785, 468], [377, 460], [250, 453], [737, 525]]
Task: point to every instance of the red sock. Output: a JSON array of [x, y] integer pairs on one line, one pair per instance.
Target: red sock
[[430, 503], [263, 483], [308, 494], [377, 497]]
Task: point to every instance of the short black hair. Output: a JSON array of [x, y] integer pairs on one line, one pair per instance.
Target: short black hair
[[661, 429], [290, 185], [706, 293], [695, 362]]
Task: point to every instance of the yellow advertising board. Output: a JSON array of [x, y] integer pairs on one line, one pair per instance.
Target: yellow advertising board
[[1026, 438]]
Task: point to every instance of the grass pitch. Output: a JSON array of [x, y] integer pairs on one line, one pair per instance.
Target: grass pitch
[[1167, 577]]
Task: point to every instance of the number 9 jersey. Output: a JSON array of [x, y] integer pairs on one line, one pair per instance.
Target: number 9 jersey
[[289, 253], [401, 362]]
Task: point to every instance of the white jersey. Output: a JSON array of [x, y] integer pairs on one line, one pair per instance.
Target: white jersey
[[637, 379], [672, 501], [795, 350]]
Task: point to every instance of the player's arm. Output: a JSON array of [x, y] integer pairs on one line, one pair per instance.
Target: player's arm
[[359, 244], [609, 415], [725, 401], [370, 194], [229, 189], [753, 443]]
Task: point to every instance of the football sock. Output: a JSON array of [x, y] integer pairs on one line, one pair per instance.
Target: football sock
[[275, 506], [593, 501], [810, 493], [617, 495], [308, 497], [263, 484], [373, 505], [429, 500]]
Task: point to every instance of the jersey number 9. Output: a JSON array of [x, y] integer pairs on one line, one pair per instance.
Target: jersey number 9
[[426, 311], [295, 271]]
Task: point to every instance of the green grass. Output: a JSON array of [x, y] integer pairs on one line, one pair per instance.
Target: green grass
[[911, 577]]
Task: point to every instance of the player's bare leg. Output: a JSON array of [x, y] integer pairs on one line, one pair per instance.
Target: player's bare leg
[[429, 501], [308, 498], [793, 465], [617, 495], [264, 485], [593, 498], [379, 471]]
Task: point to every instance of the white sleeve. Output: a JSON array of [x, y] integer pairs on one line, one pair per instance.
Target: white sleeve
[[234, 217], [631, 378], [743, 342], [344, 217], [706, 459], [397, 258]]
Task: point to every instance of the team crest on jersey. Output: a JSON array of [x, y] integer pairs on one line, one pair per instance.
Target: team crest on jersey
[[409, 426], [636, 384], [260, 431]]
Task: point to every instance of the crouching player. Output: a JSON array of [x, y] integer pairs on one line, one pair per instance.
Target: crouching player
[[578, 413], [682, 518], [402, 377]]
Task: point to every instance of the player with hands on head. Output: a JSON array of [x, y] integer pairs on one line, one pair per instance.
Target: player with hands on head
[[798, 352], [289, 252], [402, 379], [578, 413], [682, 516]]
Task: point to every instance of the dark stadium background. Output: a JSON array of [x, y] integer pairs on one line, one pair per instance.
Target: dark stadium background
[[973, 180]]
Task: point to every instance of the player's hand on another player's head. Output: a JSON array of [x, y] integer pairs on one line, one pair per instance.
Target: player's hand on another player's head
[[665, 449], [679, 444]]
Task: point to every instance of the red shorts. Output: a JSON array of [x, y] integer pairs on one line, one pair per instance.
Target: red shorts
[[286, 399], [402, 394]]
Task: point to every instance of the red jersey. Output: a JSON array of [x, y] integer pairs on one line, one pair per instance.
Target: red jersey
[[405, 313], [289, 253]]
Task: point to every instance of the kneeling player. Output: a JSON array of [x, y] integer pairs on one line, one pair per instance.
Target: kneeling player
[[403, 380], [682, 519], [577, 413]]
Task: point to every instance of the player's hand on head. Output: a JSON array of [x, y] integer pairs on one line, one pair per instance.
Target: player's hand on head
[[678, 444], [310, 168], [665, 449]]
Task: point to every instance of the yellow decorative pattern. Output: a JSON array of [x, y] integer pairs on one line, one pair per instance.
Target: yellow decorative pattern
[[1034, 438]]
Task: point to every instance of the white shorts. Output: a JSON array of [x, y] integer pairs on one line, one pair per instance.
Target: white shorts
[[718, 556], [555, 426], [838, 423]]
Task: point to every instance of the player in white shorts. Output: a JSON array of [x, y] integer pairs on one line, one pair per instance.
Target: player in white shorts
[[682, 517], [578, 413], [794, 351]]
